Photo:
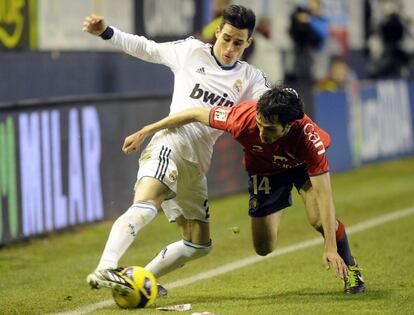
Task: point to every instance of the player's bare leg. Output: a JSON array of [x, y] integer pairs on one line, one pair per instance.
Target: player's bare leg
[[354, 283], [194, 231], [264, 232]]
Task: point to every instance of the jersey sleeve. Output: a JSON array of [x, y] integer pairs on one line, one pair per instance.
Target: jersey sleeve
[[259, 85], [170, 54], [314, 144], [232, 119], [220, 117], [227, 119], [317, 164]]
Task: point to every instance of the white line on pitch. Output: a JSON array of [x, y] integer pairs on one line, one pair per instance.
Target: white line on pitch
[[254, 259]]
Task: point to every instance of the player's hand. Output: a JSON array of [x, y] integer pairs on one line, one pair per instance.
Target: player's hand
[[94, 24], [132, 142], [332, 259]]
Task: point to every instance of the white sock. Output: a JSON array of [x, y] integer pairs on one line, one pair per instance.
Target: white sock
[[123, 232], [175, 256]]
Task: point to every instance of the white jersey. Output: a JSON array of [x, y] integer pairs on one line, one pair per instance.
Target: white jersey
[[200, 81]]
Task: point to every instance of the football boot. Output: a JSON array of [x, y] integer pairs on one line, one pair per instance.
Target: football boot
[[110, 278], [162, 291], [354, 283]]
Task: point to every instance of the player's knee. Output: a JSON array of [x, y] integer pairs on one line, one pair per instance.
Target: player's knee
[[264, 249], [195, 251], [264, 244], [140, 213]]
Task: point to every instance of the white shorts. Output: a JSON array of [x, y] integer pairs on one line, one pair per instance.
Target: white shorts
[[187, 184]]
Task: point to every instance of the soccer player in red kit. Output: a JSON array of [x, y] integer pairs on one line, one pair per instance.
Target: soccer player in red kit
[[283, 148]]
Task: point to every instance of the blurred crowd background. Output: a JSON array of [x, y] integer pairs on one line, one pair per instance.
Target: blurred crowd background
[[311, 44]]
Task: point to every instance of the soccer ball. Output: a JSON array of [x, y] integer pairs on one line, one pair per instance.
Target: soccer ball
[[145, 288]]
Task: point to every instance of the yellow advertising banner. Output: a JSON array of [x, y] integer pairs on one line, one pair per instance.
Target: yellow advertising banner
[[18, 24]]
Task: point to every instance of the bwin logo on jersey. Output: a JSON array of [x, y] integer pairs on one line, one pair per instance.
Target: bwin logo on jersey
[[209, 97]]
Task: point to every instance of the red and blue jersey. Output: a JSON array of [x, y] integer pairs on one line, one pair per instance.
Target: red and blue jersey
[[305, 142]]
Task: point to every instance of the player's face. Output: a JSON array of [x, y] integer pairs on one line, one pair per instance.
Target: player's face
[[230, 44], [269, 131]]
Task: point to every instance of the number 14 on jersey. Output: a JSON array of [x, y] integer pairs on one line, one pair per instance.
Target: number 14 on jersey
[[264, 185]]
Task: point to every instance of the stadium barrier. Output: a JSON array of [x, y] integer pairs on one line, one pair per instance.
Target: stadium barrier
[[46, 74], [61, 162]]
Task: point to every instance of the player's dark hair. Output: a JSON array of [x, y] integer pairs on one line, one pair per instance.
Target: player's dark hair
[[239, 17], [280, 105]]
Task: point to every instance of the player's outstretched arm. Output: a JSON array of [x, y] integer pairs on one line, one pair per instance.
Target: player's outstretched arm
[[133, 142], [331, 258], [94, 24]]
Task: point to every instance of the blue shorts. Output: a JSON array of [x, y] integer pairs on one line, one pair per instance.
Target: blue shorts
[[269, 194]]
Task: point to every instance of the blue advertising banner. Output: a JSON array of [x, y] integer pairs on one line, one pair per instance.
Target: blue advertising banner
[[386, 121], [367, 124], [50, 166], [332, 115]]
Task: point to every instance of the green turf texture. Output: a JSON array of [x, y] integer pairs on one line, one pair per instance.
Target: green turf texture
[[47, 275]]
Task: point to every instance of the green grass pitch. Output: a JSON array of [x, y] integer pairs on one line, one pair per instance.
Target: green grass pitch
[[47, 275]]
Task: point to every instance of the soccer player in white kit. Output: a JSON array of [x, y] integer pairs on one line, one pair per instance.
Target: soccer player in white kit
[[172, 168]]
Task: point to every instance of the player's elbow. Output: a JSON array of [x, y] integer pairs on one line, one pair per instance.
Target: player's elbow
[[202, 115]]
